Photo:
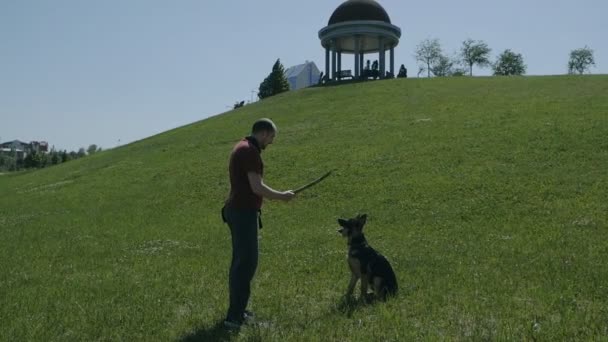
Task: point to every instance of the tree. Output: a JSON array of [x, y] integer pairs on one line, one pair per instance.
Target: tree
[[92, 149], [581, 60], [55, 158], [275, 83], [459, 72], [443, 66], [428, 52], [8, 162], [475, 52], [64, 156], [509, 63], [81, 153], [44, 160], [18, 164], [3, 162], [32, 160]]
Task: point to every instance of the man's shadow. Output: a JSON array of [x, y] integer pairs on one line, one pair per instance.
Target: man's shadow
[[216, 332]]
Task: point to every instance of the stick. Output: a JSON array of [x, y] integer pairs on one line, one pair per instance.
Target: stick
[[313, 182]]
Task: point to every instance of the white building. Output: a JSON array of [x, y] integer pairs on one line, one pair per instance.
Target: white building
[[21, 149], [302, 76]]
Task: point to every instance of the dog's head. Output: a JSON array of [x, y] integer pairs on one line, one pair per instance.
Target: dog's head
[[353, 227]]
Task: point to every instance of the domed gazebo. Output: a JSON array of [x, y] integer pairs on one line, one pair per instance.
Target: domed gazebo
[[359, 27]]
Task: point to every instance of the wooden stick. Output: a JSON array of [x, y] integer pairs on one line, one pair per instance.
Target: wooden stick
[[313, 182]]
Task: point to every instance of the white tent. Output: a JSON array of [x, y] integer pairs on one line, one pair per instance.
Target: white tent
[[302, 76]]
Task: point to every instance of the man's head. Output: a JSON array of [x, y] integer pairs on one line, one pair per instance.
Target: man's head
[[264, 131]]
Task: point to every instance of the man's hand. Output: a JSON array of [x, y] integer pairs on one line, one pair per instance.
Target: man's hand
[[287, 195], [259, 188]]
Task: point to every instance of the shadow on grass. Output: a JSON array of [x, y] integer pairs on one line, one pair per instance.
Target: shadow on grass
[[216, 332], [347, 306]]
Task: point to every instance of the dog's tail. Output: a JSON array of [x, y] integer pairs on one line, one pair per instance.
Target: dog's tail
[[390, 284]]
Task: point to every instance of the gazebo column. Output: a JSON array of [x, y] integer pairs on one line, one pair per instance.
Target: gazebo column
[[333, 60], [339, 61], [333, 65], [361, 62], [356, 52], [326, 62], [381, 58], [392, 61], [361, 55]]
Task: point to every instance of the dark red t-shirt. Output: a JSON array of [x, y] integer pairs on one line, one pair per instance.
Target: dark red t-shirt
[[245, 158]]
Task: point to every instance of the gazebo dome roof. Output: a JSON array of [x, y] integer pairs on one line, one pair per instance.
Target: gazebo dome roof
[[353, 10]]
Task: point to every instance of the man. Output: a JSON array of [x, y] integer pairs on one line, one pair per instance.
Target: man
[[242, 213]]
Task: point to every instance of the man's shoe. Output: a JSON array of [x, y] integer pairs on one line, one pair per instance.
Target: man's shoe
[[232, 325], [248, 317]]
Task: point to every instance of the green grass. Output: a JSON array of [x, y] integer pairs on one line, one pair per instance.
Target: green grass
[[488, 195]]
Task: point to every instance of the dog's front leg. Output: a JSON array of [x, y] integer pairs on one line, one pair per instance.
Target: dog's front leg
[[364, 285], [351, 285], [355, 274]]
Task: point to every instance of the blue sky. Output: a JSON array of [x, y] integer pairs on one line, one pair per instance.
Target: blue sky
[[79, 72]]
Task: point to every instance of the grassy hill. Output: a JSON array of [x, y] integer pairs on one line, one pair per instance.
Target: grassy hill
[[488, 195]]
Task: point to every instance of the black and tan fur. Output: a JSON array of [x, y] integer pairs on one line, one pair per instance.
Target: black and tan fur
[[366, 263]]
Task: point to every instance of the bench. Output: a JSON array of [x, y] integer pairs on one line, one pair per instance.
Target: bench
[[373, 73], [344, 74]]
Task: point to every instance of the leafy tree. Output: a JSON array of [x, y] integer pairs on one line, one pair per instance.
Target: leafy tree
[[92, 149], [8, 162], [443, 66], [55, 158], [275, 83], [581, 60], [32, 160], [81, 153], [428, 52], [44, 160], [18, 164], [64, 156], [475, 52], [459, 72], [509, 63]]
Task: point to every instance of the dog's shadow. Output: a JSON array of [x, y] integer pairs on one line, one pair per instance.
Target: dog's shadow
[[347, 306], [216, 332]]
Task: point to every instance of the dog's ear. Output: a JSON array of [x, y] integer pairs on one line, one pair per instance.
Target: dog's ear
[[362, 219], [342, 222]]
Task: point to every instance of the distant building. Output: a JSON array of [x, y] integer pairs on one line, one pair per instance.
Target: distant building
[[39, 146], [302, 76], [15, 145], [21, 149]]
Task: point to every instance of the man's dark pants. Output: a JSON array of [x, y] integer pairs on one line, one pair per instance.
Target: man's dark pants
[[243, 225]]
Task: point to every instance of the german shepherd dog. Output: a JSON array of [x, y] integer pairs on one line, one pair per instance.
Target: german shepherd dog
[[366, 263]]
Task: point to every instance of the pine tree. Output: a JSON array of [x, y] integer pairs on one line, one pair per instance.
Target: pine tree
[[275, 83]]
